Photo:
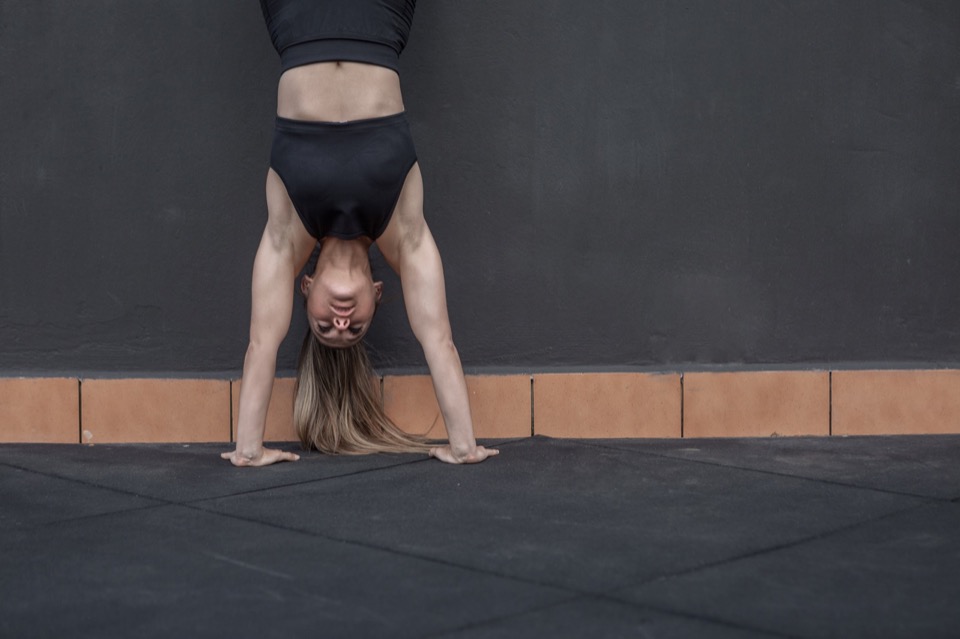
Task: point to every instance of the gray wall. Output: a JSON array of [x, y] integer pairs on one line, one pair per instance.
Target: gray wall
[[637, 184]]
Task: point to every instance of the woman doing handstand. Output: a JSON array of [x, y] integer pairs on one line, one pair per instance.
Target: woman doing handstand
[[344, 173]]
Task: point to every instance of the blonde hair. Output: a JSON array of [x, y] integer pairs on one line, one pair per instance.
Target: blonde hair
[[337, 408]]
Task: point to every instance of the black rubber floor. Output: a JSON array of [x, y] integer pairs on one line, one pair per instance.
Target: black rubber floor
[[791, 537]]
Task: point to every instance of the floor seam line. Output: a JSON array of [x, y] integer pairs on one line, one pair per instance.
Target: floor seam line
[[770, 549], [830, 482], [697, 616], [302, 483], [393, 551], [614, 600], [72, 520], [88, 484], [512, 615], [168, 501]]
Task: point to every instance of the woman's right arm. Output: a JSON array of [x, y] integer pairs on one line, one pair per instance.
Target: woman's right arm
[[283, 249]]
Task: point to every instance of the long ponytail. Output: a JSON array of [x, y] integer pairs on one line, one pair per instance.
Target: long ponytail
[[337, 408]]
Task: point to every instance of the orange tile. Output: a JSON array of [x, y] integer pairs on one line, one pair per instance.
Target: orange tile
[[40, 410], [756, 404], [279, 414], [607, 405], [896, 402], [499, 405], [155, 410]]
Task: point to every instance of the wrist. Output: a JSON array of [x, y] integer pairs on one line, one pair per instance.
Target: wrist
[[250, 453], [462, 450]]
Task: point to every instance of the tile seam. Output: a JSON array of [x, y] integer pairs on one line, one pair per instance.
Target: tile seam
[[686, 614], [86, 483], [230, 424], [682, 398], [533, 423], [315, 480], [513, 615], [79, 411], [392, 551], [122, 511], [830, 403], [830, 482], [774, 548]]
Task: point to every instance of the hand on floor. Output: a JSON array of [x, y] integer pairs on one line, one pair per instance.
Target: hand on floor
[[445, 454], [267, 456]]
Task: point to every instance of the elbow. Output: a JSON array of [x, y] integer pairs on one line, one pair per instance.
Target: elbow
[[258, 348], [440, 345]]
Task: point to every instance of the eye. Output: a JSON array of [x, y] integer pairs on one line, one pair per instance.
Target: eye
[[323, 330], [355, 330]]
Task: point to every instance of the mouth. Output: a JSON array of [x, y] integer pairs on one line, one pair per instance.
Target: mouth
[[341, 310]]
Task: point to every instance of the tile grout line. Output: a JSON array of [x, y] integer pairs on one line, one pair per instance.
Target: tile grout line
[[533, 423], [681, 403], [389, 550], [88, 484], [79, 411], [769, 549], [170, 502], [230, 425], [676, 612], [511, 615], [124, 511], [200, 500], [830, 403], [820, 480], [602, 597]]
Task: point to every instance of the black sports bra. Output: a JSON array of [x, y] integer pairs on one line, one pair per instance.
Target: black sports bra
[[307, 31]]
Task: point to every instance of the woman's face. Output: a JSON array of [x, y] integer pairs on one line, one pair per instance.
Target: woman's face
[[340, 307]]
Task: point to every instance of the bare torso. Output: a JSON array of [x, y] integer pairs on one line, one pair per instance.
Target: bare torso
[[338, 92]]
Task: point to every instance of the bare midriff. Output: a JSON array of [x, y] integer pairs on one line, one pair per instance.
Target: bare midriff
[[338, 92]]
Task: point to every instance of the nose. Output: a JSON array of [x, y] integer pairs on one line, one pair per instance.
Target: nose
[[341, 322]]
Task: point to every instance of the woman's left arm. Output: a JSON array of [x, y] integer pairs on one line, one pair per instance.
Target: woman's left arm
[[421, 276]]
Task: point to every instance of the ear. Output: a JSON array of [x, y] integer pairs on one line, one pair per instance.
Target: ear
[[305, 285], [378, 290]]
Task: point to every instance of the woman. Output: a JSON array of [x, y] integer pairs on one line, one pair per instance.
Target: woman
[[343, 172]]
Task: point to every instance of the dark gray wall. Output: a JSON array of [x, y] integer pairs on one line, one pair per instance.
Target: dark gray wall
[[615, 183]]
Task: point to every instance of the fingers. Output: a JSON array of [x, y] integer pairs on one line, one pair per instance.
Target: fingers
[[444, 454], [269, 456]]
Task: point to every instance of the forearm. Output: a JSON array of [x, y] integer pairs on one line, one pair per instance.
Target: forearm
[[451, 390], [259, 368]]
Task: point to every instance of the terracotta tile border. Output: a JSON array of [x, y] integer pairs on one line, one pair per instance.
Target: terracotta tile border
[[756, 404], [574, 405], [604, 405], [40, 410], [154, 410], [896, 402]]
